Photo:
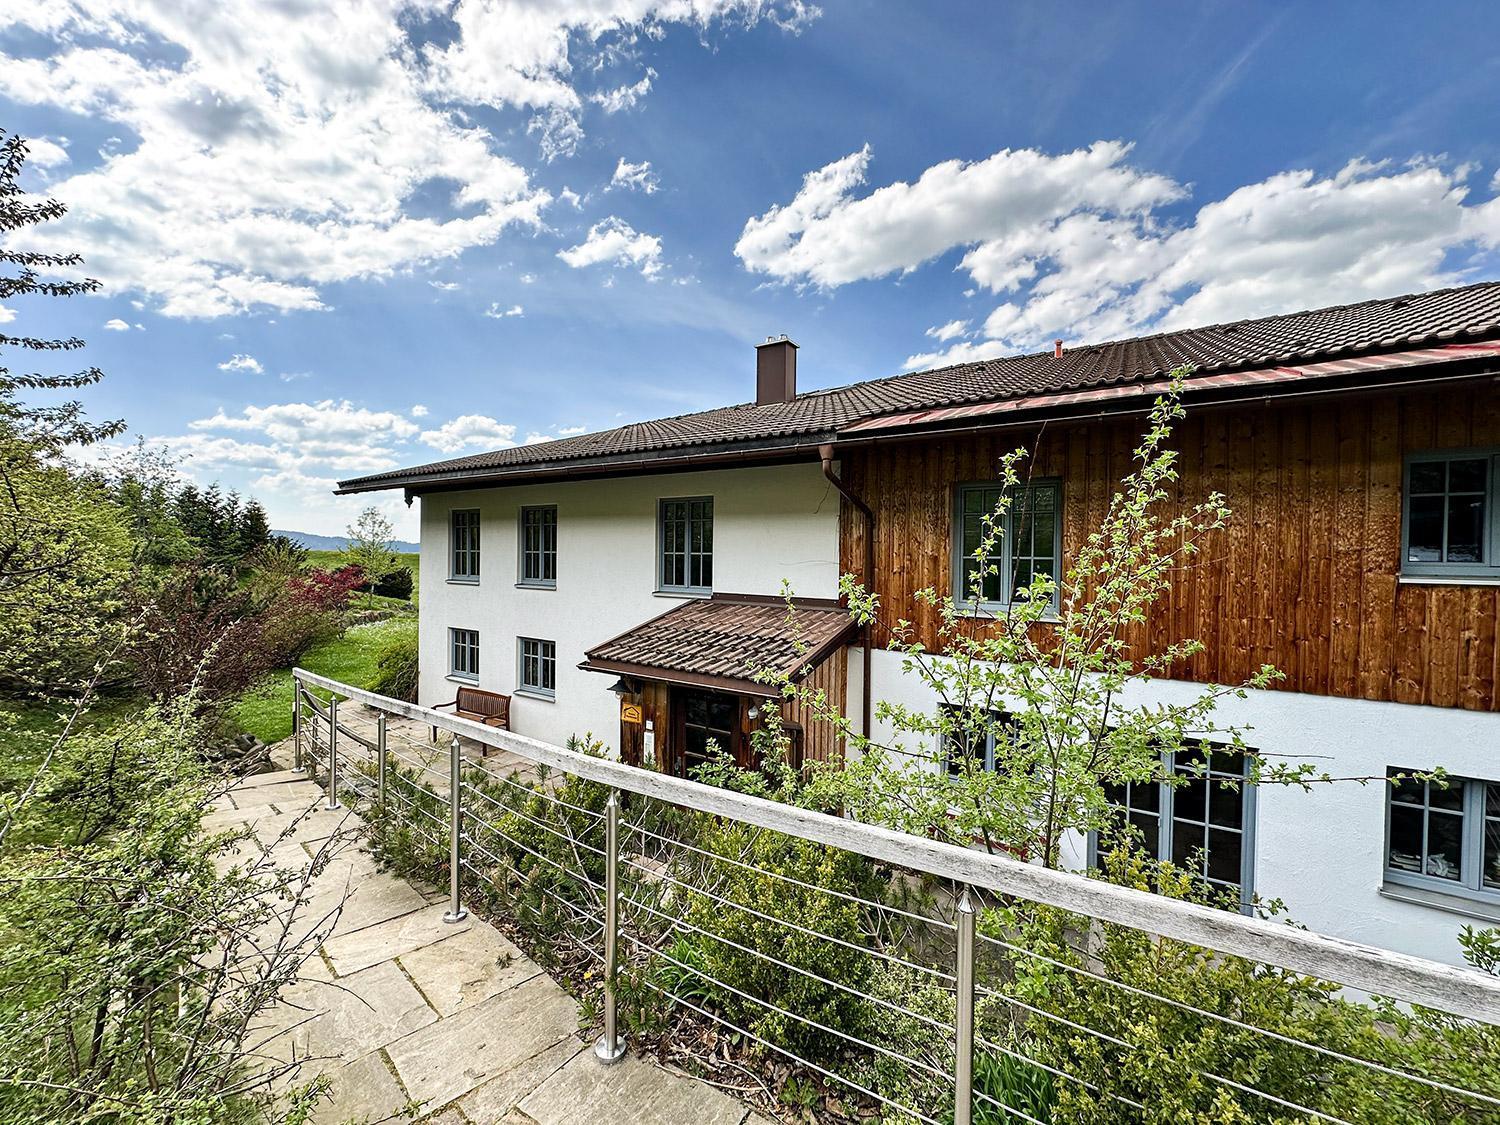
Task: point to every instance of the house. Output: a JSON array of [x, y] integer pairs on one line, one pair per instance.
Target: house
[[626, 583]]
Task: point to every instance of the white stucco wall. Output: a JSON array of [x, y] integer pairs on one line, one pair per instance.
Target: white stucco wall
[[1321, 852], [770, 524]]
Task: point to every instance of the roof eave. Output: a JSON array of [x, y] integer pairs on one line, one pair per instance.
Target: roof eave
[[681, 459]]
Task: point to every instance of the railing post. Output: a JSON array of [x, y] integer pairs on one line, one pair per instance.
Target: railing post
[[610, 1048], [296, 723], [963, 1058], [333, 753], [380, 761], [456, 912]]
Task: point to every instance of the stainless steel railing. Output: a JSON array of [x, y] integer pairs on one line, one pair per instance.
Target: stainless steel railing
[[408, 783]]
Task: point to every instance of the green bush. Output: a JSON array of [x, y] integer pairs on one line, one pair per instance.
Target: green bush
[[397, 584], [396, 668]]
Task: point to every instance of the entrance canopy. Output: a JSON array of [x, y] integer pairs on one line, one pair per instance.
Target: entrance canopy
[[723, 642]]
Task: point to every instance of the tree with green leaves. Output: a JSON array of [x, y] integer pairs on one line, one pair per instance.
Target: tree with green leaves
[[370, 546], [65, 549]]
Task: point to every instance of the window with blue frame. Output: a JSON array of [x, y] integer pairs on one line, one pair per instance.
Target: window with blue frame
[[1030, 542], [1449, 527], [1202, 821], [1444, 835]]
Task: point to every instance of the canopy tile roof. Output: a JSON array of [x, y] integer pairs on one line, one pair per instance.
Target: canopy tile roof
[[725, 640], [1386, 325]]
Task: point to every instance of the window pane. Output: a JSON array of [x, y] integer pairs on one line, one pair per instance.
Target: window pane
[[1146, 796], [1428, 476], [1494, 799], [1407, 792], [1191, 800], [1445, 845], [1449, 797], [1149, 830], [1224, 851], [1226, 805], [1406, 838], [1425, 529], [1465, 528], [1467, 475], [1187, 839]]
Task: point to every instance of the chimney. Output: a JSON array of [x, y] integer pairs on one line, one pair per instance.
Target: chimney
[[775, 371], [1057, 349]]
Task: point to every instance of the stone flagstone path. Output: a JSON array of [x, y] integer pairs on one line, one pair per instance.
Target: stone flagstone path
[[419, 1020]]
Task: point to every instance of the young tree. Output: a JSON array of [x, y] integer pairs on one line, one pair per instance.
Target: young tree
[[370, 546], [1045, 682]]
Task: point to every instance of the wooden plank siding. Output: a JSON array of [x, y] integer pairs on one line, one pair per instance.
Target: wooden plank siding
[[1306, 576]]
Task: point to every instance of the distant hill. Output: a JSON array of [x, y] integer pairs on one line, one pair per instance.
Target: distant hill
[[337, 542]]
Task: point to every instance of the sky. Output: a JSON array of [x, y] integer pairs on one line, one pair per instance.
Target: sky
[[342, 238]]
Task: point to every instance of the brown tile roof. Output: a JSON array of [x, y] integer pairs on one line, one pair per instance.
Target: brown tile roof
[[1369, 327], [724, 641]]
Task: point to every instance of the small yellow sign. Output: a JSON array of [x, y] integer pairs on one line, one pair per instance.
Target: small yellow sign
[[630, 712]]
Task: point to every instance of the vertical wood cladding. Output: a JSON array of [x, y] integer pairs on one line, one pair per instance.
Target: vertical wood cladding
[[1304, 578]]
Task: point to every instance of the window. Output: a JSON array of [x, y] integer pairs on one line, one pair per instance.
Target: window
[[538, 662], [539, 547], [686, 534], [973, 735], [463, 654], [1031, 543], [1449, 527], [1202, 824], [1445, 837], [463, 543]]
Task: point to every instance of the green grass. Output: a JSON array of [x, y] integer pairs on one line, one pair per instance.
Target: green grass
[[266, 710], [332, 560]]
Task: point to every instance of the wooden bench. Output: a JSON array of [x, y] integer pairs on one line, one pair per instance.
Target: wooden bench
[[487, 707]]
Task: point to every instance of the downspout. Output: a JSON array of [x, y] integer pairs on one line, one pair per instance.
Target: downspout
[[826, 453]]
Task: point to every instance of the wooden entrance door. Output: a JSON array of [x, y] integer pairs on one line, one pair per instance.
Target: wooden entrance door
[[701, 717]]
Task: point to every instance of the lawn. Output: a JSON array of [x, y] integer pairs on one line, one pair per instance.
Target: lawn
[[332, 560], [266, 711]]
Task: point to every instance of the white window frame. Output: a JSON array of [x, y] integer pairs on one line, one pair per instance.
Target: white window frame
[[471, 553], [459, 637], [545, 654]]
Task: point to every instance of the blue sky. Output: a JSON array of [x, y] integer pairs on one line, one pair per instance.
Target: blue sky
[[336, 243]]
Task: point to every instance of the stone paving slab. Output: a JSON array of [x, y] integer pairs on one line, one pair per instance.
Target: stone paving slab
[[450, 1058], [351, 952], [499, 1096], [632, 1092], [467, 968]]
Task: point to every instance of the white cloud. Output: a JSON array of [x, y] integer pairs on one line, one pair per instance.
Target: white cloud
[[624, 97], [294, 376], [335, 428], [263, 152], [117, 325], [241, 362], [614, 241], [445, 286], [43, 152], [634, 176], [950, 331], [528, 279], [571, 198], [418, 411], [7, 314], [569, 431], [468, 431], [827, 236], [1085, 246], [495, 312]]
